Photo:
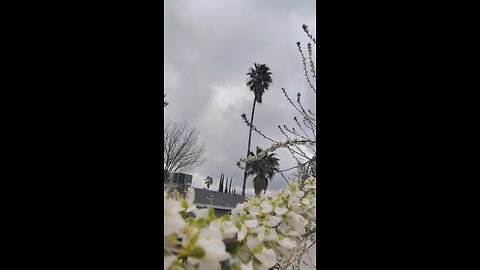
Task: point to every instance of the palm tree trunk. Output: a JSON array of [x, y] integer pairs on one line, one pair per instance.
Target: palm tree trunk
[[249, 142]]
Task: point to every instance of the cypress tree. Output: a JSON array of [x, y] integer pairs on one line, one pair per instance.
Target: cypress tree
[[220, 186], [226, 187], [220, 182]]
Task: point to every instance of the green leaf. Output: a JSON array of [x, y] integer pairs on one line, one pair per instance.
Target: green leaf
[[201, 222], [258, 248], [197, 252], [211, 214], [225, 265], [195, 238], [232, 247], [256, 261]]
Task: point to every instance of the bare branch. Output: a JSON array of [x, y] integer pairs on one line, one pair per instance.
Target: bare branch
[[182, 148], [310, 58], [305, 29], [304, 62]]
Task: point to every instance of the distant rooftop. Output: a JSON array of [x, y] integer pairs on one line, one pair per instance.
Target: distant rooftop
[[203, 196]]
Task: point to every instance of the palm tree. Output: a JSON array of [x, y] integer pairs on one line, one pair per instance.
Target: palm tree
[[208, 181], [259, 79], [264, 168]]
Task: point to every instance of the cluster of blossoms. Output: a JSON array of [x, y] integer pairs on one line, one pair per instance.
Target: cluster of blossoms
[[193, 238], [254, 236]]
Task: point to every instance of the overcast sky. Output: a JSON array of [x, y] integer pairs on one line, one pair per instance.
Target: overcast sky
[[208, 47]]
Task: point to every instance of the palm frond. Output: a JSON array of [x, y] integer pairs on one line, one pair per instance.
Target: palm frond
[[259, 80]]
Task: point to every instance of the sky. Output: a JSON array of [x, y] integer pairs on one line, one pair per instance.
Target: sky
[[209, 47]]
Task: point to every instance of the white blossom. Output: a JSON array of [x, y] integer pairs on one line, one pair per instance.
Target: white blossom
[[201, 213], [239, 210], [254, 211], [167, 261], [172, 221], [267, 257], [266, 227], [248, 266], [266, 207], [287, 243], [252, 223], [271, 235], [210, 241], [242, 233], [272, 221], [227, 228], [280, 210], [253, 242]]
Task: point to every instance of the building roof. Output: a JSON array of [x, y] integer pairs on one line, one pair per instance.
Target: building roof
[[224, 200]]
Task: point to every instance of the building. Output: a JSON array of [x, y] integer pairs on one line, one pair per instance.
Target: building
[[178, 180], [181, 180], [223, 203]]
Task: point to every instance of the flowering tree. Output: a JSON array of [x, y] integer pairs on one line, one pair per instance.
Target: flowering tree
[[266, 232], [300, 140], [262, 233]]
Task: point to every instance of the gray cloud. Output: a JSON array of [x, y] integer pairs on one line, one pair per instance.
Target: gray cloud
[[208, 48]]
